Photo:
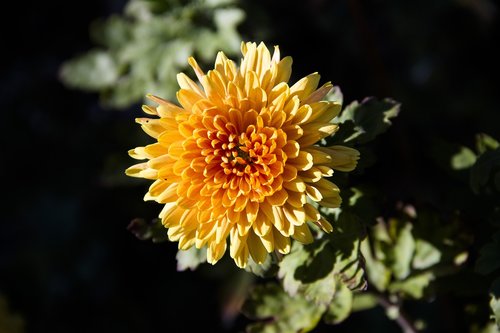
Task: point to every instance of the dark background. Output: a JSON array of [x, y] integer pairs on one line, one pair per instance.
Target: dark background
[[67, 262]]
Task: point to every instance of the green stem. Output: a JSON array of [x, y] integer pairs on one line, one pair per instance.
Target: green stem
[[402, 319]]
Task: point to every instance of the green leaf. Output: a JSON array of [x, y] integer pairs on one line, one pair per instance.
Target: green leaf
[[378, 274], [464, 159], [143, 49], [321, 291], [267, 269], [190, 258], [489, 256], [335, 95], [10, 322], [363, 301], [490, 327], [112, 33], [153, 230], [485, 170], [484, 142], [312, 269], [495, 301], [401, 252], [94, 70], [426, 255], [278, 312], [412, 286], [341, 305], [296, 258], [370, 118]]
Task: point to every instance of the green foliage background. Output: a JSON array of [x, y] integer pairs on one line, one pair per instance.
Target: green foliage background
[[416, 244]]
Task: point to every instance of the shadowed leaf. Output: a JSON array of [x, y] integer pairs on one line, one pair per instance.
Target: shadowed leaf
[[315, 269], [277, 312], [370, 118], [489, 256], [485, 172], [153, 230]]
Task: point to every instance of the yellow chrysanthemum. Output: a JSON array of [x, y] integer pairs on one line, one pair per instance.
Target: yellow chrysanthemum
[[238, 157]]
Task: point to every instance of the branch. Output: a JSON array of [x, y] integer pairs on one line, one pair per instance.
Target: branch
[[402, 319]]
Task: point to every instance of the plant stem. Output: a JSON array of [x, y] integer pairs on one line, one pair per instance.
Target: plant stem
[[402, 319]]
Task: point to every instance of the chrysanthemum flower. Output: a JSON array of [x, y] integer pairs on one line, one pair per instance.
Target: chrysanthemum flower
[[238, 158]]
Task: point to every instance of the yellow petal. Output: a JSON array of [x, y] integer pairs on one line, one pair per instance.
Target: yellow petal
[[281, 243], [304, 161], [296, 185], [215, 251], [278, 198], [292, 149], [152, 127], [296, 199], [268, 241], [312, 213], [256, 248], [305, 86], [241, 258], [238, 242], [284, 70], [199, 73], [318, 94], [313, 193], [186, 83], [313, 132], [344, 158], [295, 215], [303, 234], [333, 201], [261, 226], [187, 98], [325, 225], [141, 170], [324, 111]]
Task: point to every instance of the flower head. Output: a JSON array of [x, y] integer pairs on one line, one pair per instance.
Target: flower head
[[238, 158]]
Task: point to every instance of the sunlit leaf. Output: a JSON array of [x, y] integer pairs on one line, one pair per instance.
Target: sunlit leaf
[[190, 258], [268, 268], [313, 269], [401, 252], [412, 286], [95, 70], [335, 95], [378, 274], [495, 301], [484, 142], [464, 159], [341, 305], [426, 255], [321, 291], [363, 301]]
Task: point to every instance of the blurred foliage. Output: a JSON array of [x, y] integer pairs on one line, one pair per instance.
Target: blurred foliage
[[153, 230], [140, 51], [9, 322]]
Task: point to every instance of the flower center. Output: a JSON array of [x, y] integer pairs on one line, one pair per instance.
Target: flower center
[[242, 162]]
